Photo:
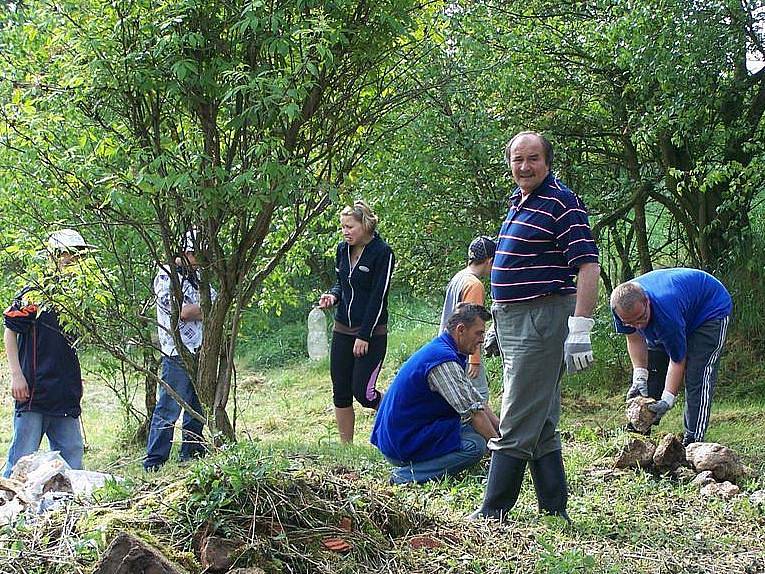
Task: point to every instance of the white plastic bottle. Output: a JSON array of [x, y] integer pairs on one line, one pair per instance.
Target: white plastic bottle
[[317, 335]]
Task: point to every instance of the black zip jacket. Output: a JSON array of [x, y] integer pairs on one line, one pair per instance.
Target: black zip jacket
[[48, 360], [362, 294]]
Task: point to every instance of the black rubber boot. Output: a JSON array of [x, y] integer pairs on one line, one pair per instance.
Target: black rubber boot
[[502, 487], [549, 479]]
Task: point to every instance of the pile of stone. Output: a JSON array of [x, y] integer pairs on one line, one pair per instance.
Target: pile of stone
[[129, 554], [716, 469]]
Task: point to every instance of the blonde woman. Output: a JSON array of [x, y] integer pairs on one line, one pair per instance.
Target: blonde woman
[[364, 266]]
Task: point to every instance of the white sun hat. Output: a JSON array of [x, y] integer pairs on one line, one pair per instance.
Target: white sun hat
[[67, 240]]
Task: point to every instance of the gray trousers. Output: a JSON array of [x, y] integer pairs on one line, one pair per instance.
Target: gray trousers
[[531, 336]]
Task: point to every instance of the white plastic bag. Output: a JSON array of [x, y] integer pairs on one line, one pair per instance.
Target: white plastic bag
[[84, 482], [10, 510], [42, 473], [31, 462]]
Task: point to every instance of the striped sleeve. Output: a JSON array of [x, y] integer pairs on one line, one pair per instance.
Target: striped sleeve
[[450, 381], [574, 237]]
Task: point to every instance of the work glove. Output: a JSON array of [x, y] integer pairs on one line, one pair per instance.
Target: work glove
[[639, 383], [661, 407], [577, 349], [490, 342]]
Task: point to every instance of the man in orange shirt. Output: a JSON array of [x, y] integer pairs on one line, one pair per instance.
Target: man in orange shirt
[[466, 287]]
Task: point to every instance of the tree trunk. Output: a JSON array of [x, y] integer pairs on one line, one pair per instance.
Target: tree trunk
[[626, 272], [641, 236], [211, 362]]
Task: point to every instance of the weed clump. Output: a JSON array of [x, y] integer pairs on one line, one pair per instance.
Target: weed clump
[[288, 510]]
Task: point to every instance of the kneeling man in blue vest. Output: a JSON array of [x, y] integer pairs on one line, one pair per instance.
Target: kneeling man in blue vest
[[431, 421]]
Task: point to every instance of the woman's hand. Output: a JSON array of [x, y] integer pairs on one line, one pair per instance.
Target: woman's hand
[[360, 348], [327, 300]]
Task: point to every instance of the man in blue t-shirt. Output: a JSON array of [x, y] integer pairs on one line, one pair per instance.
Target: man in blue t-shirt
[[685, 312]]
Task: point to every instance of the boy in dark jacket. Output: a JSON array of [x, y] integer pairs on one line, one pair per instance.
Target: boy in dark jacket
[[45, 371]]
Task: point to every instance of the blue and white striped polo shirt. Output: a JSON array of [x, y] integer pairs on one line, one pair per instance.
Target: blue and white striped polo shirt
[[541, 244]]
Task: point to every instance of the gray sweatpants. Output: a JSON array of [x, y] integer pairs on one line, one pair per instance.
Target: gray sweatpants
[[531, 336]]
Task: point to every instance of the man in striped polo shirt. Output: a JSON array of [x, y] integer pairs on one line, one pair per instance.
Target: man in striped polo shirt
[[542, 319]]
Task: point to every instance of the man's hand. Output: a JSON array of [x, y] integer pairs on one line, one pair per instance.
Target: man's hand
[[639, 383], [578, 349], [360, 348], [19, 387], [483, 425], [473, 370], [327, 300], [661, 407]]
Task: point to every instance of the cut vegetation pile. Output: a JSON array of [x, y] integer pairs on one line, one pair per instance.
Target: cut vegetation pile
[[303, 513], [278, 516]]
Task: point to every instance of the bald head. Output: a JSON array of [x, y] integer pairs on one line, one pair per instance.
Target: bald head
[[627, 297]]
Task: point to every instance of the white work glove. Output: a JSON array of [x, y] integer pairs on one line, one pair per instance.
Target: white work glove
[[660, 408], [577, 350], [639, 383]]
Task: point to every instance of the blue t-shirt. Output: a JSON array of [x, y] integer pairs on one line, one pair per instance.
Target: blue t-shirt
[[681, 301]]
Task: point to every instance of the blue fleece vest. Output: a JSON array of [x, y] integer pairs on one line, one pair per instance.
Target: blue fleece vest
[[414, 423]]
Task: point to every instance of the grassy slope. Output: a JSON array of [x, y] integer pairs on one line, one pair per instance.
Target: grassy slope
[[631, 524]]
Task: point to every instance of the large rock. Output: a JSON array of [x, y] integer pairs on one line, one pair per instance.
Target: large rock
[[636, 453], [639, 415], [130, 555], [220, 554], [669, 454], [703, 478], [59, 482], [726, 490], [724, 463]]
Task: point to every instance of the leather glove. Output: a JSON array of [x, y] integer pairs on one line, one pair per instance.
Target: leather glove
[[661, 407], [577, 349], [491, 343], [639, 383]]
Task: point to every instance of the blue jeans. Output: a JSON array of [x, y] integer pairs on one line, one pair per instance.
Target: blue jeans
[[63, 434], [472, 448], [167, 412]]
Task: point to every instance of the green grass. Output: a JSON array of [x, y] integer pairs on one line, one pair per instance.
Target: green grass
[[634, 523]]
